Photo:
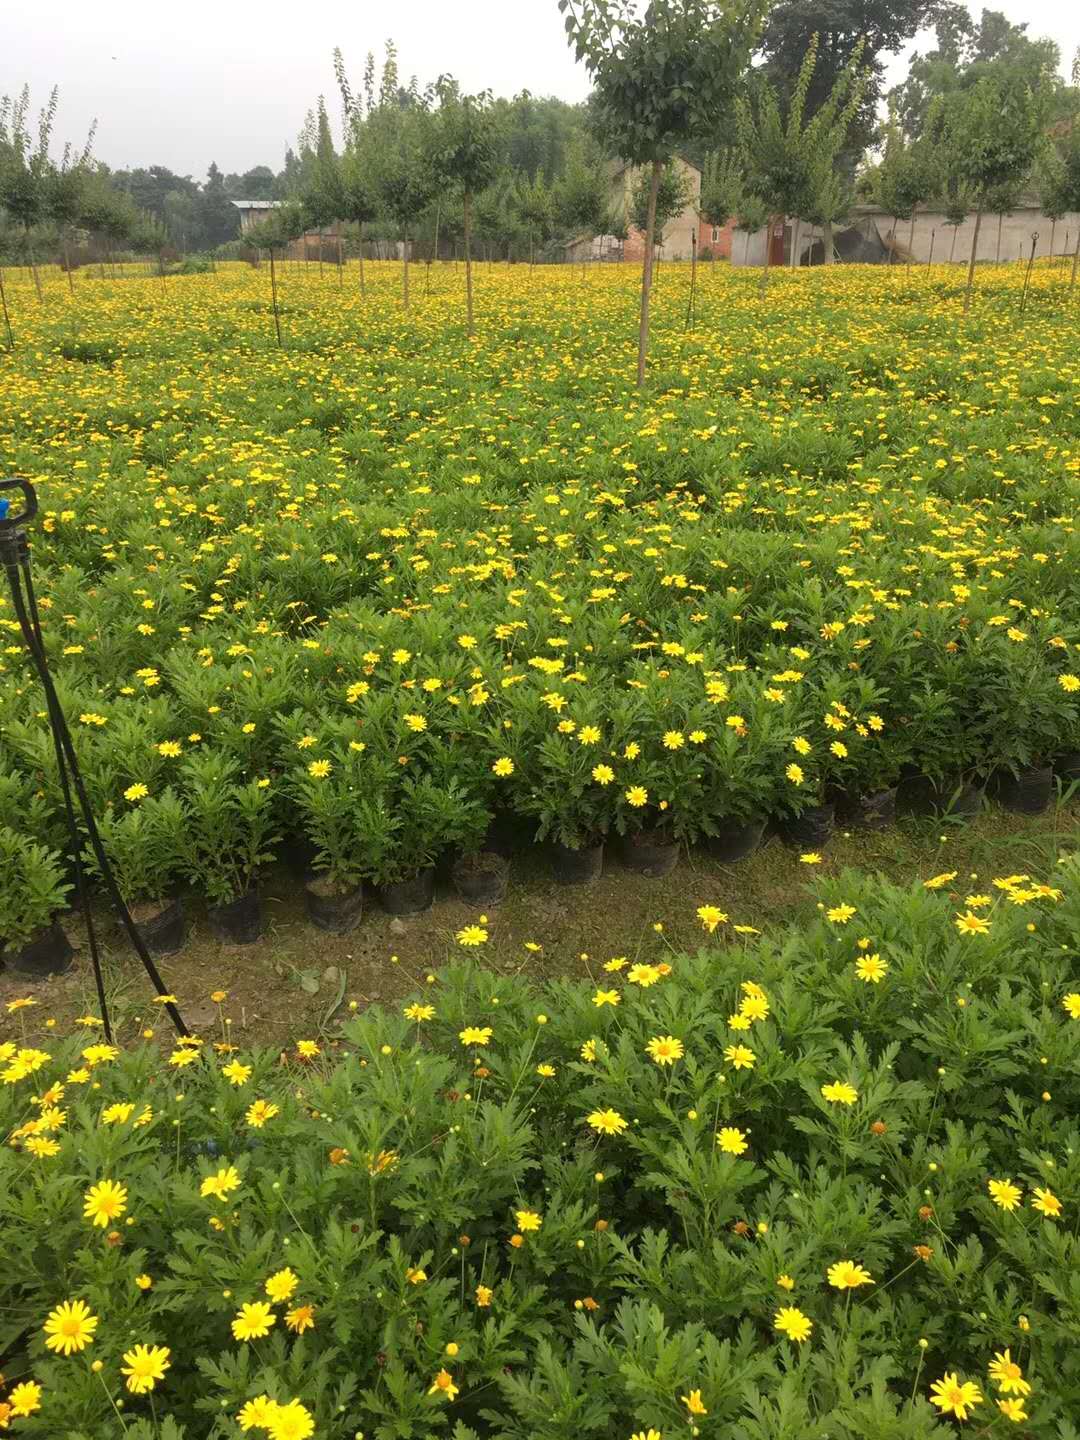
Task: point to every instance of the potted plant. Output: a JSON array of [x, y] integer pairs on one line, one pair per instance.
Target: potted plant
[[405, 832], [231, 832], [566, 791], [1021, 715], [857, 761], [32, 891], [146, 846], [330, 798], [743, 779]]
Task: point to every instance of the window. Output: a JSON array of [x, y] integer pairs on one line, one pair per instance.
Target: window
[[715, 233]]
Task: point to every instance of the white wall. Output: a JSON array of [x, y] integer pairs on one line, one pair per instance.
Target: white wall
[[1016, 233]]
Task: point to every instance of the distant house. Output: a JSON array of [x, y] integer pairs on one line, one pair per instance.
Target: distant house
[[679, 233], [309, 246], [254, 212]]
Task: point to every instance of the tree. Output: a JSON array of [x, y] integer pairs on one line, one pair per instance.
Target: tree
[[878, 27], [908, 175], [323, 194], [107, 212], [64, 186], [1001, 200], [753, 216], [1052, 185], [968, 52], [721, 188], [830, 198], [1067, 184], [287, 222], [661, 79], [994, 134], [467, 154], [535, 204], [401, 168], [217, 215], [673, 194], [786, 159], [582, 196], [24, 165]]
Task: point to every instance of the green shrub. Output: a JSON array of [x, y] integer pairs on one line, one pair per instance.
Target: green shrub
[[583, 1209]]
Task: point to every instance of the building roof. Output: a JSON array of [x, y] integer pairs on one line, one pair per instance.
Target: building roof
[[256, 204]]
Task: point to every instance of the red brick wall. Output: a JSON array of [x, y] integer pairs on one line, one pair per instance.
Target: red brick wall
[[634, 247]]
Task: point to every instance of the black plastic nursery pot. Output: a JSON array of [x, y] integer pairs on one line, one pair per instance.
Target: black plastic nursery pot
[[240, 921], [510, 834], [578, 866], [482, 877], [47, 952], [867, 812], [162, 925], [1067, 767], [809, 831], [1026, 793], [736, 839], [335, 911], [652, 853], [408, 897], [921, 795]]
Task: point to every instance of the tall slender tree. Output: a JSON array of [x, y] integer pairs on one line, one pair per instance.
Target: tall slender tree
[[467, 154], [24, 166], [662, 79], [994, 134]]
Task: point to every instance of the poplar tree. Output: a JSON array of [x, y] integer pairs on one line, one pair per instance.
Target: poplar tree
[[467, 153], [994, 132]]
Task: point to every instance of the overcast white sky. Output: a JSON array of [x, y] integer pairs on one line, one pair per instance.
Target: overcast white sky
[[228, 80]]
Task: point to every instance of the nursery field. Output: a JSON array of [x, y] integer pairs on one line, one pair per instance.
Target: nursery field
[[387, 609], [346, 600]]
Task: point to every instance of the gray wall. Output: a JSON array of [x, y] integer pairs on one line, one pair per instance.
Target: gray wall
[[1016, 233]]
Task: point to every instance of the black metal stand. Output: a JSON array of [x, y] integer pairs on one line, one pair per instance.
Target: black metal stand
[[15, 559]]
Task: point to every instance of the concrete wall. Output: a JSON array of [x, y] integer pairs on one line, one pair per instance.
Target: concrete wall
[[1016, 232]]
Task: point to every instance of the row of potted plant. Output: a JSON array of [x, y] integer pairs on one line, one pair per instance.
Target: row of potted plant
[[220, 836]]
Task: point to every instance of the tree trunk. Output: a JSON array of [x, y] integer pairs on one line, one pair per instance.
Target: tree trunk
[[768, 256], [827, 242], [930, 257], [1075, 264], [361, 247], [438, 217], [693, 280], [971, 262], [793, 258], [33, 266], [467, 210], [405, 267], [1053, 227], [647, 270], [952, 247], [997, 256], [7, 317], [67, 260], [273, 296], [911, 241], [320, 254]]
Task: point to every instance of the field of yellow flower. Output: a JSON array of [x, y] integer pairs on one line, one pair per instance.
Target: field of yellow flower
[[363, 592], [387, 592], [822, 1183]]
